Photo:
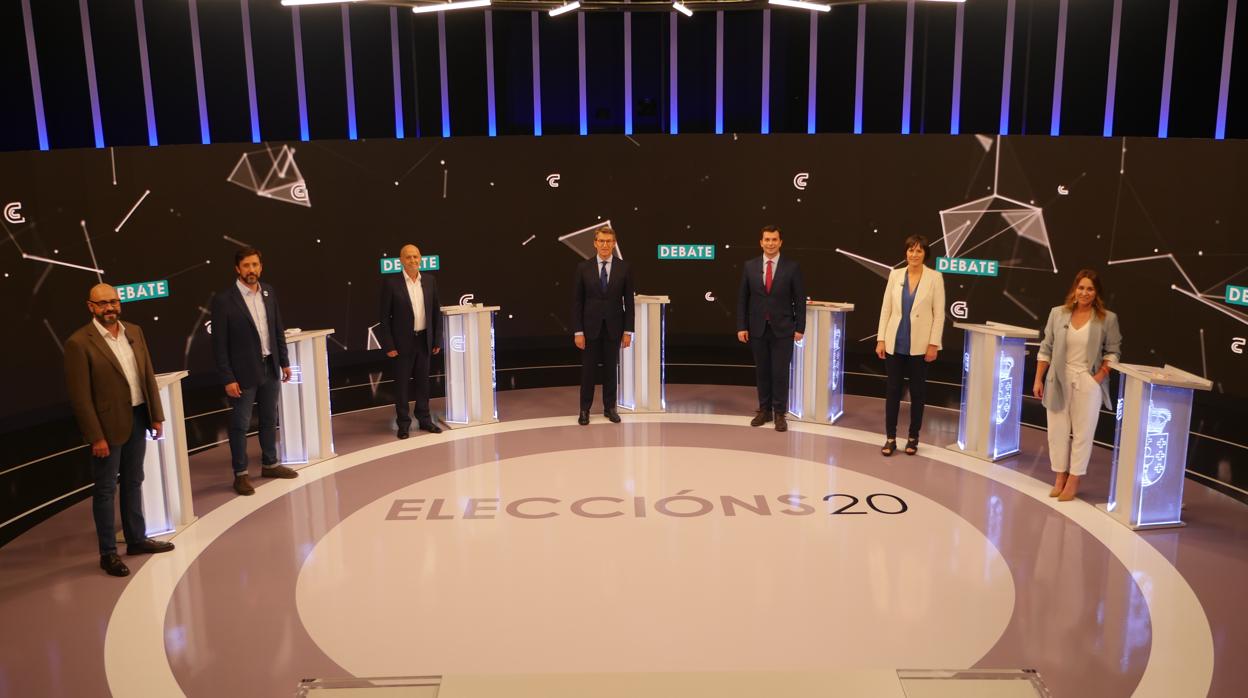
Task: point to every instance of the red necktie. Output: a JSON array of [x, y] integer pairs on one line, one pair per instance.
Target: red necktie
[[767, 277]]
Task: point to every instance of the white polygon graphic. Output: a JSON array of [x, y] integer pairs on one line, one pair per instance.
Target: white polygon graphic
[[799, 180], [998, 227], [13, 212], [272, 175], [372, 342], [582, 241]]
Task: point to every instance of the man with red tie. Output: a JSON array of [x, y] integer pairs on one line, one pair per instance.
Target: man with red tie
[[771, 316]]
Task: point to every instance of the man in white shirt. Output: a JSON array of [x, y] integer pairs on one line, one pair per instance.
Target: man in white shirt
[[411, 333], [113, 393], [249, 345]]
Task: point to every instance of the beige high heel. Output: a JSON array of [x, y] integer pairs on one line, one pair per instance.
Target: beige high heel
[[1058, 484], [1071, 488]]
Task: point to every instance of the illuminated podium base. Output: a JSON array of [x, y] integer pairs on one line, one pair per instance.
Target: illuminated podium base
[[641, 386], [166, 489], [303, 412], [817, 370], [468, 354], [1153, 415], [992, 390]]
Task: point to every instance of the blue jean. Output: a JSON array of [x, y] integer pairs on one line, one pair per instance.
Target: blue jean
[[266, 393], [124, 459]]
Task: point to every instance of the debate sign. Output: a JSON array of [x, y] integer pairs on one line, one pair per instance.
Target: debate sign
[[392, 265], [143, 291]]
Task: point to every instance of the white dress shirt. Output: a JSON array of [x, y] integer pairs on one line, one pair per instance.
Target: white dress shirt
[[255, 305], [775, 264], [1077, 347], [125, 356], [416, 293]]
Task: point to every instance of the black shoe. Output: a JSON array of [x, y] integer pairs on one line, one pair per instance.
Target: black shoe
[[761, 417], [889, 447], [781, 423], [113, 565], [430, 427], [401, 433], [584, 418], [612, 415], [912, 446], [148, 546]]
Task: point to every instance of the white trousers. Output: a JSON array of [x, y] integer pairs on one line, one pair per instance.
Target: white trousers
[[1072, 428]]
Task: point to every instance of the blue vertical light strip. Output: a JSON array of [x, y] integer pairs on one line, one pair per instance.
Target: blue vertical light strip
[[300, 85], [251, 74], [97, 126], [719, 72], [765, 116], [491, 114], [628, 73], [1111, 83], [1167, 76], [673, 104], [1007, 69], [1224, 85], [446, 93], [862, 45], [1059, 68], [812, 75], [955, 104], [537, 79], [396, 75], [36, 87], [146, 70], [348, 72], [205, 135], [580, 68], [906, 83]]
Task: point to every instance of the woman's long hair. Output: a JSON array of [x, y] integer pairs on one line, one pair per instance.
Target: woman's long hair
[[1098, 303]]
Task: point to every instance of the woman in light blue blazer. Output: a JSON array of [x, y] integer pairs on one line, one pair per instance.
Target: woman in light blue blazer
[[912, 320], [1081, 341]]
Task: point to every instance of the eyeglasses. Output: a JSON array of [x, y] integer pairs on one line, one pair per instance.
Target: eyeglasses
[[604, 241], [106, 303]]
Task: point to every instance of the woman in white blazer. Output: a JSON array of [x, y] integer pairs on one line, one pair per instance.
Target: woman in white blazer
[[1081, 341], [912, 320]]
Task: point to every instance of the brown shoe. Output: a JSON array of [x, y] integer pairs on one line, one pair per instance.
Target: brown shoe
[[781, 423], [278, 471], [1070, 490], [761, 417], [1058, 485], [242, 485]]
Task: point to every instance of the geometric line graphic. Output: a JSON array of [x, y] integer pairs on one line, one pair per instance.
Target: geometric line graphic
[[582, 241], [272, 175]]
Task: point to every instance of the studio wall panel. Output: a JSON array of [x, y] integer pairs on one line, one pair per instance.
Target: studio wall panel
[[225, 71], [273, 48], [837, 54], [63, 72], [172, 61]]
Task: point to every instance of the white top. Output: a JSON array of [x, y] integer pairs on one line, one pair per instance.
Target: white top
[[125, 356], [1077, 347], [775, 264], [416, 293], [255, 306]]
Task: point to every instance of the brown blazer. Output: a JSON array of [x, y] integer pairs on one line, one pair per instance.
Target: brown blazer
[[98, 391]]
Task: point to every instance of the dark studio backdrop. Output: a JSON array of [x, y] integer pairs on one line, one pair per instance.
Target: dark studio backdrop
[[1162, 210]]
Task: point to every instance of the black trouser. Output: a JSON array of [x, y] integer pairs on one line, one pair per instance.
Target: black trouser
[[125, 458], [409, 365], [899, 367], [599, 362], [772, 356]]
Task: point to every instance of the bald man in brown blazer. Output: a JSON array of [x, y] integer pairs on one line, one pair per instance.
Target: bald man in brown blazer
[[113, 393]]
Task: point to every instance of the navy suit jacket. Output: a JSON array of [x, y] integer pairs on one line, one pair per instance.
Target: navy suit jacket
[[236, 341], [398, 317], [786, 304], [591, 305]]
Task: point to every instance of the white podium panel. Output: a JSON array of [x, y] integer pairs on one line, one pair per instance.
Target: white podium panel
[[468, 353], [642, 385], [989, 422], [1153, 414], [817, 371], [166, 465], [307, 434]]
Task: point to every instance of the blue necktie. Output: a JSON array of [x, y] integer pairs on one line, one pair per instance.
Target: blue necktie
[[603, 276]]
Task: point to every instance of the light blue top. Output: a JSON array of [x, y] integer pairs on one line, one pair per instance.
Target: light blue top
[[902, 343]]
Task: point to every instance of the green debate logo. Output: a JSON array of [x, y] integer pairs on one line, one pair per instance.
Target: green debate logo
[[392, 265]]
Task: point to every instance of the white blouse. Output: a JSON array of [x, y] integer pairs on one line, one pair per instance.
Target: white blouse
[[1077, 347]]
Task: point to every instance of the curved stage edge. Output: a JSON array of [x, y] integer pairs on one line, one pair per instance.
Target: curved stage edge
[[241, 606]]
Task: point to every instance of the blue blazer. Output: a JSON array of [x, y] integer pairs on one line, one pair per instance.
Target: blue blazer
[[397, 315], [591, 305], [236, 340], [786, 304]]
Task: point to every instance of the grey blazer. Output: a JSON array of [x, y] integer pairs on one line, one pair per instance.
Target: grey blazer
[[1104, 343]]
